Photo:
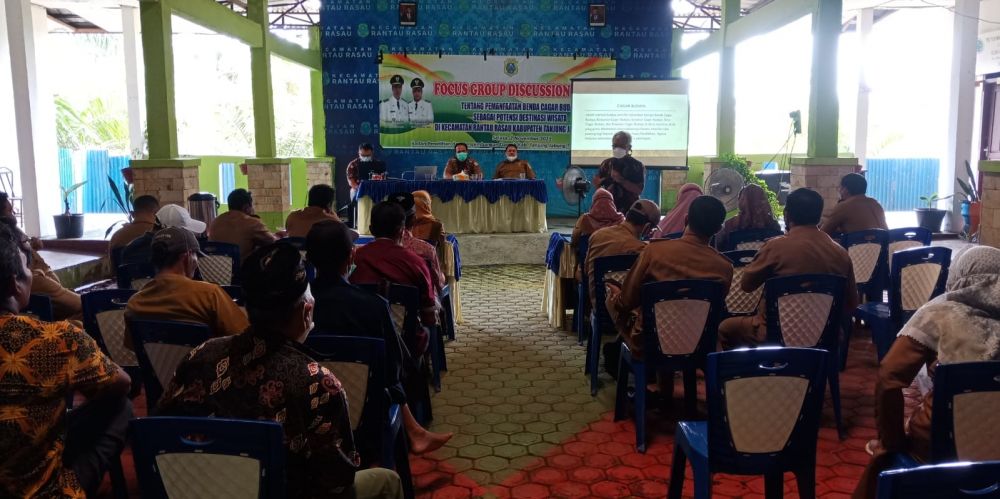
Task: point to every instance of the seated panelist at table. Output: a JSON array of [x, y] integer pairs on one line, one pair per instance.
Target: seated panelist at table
[[462, 163], [513, 166], [363, 167]]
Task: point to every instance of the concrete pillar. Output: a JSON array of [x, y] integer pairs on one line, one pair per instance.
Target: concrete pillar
[[989, 225], [133, 89], [169, 180], [265, 140], [823, 176], [824, 110], [865, 20], [726, 106], [961, 105], [8, 132], [158, 60], [269, 181], [671, 182], [34, 117], [319, 171]]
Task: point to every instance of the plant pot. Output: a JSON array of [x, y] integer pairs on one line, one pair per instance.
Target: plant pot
[[69, 226], [975, 213], [129, 175], [930, 218]]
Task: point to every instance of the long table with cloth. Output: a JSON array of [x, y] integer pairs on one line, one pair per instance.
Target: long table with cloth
[[467, 207], [560, 275]]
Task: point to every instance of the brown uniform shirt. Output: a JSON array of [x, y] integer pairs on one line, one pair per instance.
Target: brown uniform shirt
[[469, 166], [66, 304], [618, 239], [236, 227], [514, 169], [803, 250], [128, 232], [171, 297], [299, 222], [853, 214], [689, 257]]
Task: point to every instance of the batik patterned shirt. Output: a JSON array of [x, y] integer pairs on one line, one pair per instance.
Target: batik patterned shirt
[[263, 376], [40, 363]]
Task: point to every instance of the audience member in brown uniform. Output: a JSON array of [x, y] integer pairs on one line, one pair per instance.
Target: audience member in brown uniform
[[275, 378], [321, 199], [45, 450], [622, 175], [462, 163], [174, 296], [240, 225], [689, 257], [855, 211], [425, 225], [622, 239], [512, 166], [144, 210], [755, 214], [363, 166], [962, 325], [602, 214], [804, 249]]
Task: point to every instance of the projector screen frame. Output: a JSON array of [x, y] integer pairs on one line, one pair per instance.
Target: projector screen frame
[[687, 137]]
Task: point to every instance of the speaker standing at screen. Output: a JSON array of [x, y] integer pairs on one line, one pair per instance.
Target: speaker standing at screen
[[421, 111], [462, 163], [513, 166], [622, 175]]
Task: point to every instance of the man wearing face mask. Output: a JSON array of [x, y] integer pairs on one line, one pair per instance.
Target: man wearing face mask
[[421, 111], [622, 175], [462, 163], [362, 167], [512, 166], [394, 112]]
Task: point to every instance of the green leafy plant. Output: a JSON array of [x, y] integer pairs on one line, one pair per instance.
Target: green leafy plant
[[123, 199], [932, 200], [742, 166], [66, 191], [969, 189]]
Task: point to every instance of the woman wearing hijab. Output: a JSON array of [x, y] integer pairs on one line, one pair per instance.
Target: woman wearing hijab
[[425, 225], [602, 214], [962, 325], [675, 219], [755, 213]]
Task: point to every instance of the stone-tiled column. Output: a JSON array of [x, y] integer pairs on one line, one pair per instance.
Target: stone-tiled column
[[269, 181], [169, 180], [989, 225], [822, 175], [671, 182], [319, 171]]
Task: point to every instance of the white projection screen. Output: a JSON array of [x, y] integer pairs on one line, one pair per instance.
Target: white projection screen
[[655, 112]]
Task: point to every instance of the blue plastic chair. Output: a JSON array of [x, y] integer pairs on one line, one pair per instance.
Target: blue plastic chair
[[680, 323], [749, 239], [40, 306], [964, 394], [135, 275], [180, 450], [917, 276], [582, 290], [951, 480], [376, 422], [104, 320], [363, 240], [868, 250], [600, 320], [763, 419], [739, 302], [221, 263], [805, 311], [160, 347], [906, 238], [408, 298]]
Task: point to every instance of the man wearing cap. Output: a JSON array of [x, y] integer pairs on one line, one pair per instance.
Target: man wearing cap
[[266, 374], [421, 111], [343, 308], [241, 225], [394, 111], [321, 198], [174, 296], [421, 248], [170, 215]]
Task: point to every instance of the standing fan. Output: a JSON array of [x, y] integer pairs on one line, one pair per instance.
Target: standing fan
[[574, 186], [725, 184]]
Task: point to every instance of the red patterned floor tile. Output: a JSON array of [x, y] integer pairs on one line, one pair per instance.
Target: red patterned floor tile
[[586, 475], [529, 491], [565, 461], [452, 492], [649, 488], [570, 490], [548, 476], [610, 489], [602, 461]]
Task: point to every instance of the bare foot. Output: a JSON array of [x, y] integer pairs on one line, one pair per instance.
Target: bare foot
[[427, 441]]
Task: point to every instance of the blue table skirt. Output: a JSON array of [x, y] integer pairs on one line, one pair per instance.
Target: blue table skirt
[[446, 190], [553, 254], [458, 257]]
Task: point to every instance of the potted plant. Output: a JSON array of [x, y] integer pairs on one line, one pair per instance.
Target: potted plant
[[930, 217], [69, 225], [123, 198], [971, 206]]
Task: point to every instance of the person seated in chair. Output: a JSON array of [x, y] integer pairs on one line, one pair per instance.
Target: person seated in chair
[[602, 214], [855, 211], [266, 374], [144, 210], [241, 225], [462, 163], [343, 308], [962, 325], [421, 248], [625, 238], [512, 166], [174, 296], [321, 199], [690, 257], [804, 249], [45, 450], [169, 215]]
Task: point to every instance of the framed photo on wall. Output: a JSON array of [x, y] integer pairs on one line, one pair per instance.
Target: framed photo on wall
[[407, 13], [597, 14]]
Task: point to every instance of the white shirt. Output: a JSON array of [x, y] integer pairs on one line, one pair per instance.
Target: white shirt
[[394, 112], [421, 112]]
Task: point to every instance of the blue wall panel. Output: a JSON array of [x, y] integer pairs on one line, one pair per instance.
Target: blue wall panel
[[898, 183]]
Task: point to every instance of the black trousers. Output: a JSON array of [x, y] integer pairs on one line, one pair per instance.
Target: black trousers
[[95, 436]]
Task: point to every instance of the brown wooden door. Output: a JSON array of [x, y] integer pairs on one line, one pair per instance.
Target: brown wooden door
[[991, 120]]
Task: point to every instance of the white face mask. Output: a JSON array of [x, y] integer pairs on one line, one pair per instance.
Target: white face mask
[[618, 152], [366, 159], [511, 157]]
